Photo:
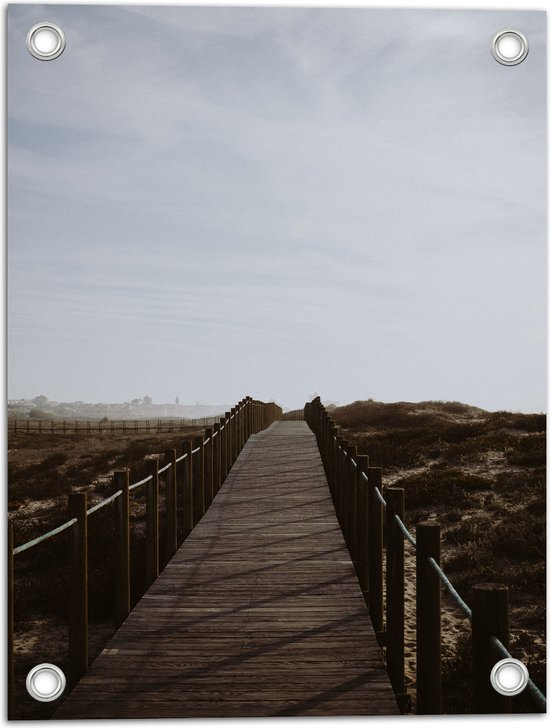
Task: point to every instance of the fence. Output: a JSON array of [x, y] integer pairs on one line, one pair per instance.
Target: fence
[[33, 426], [204, 465], [360, 501]]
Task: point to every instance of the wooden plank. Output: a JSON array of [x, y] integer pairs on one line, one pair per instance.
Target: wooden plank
[[259, 613]]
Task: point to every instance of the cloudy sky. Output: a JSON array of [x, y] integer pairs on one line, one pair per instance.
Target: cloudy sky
[[213, 202]]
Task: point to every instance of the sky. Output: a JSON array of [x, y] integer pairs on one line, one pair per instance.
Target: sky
[[216, 202]]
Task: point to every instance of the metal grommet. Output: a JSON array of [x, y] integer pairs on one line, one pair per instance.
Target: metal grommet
[[509, 677], [509, 46], [46, 682], [45, 41]]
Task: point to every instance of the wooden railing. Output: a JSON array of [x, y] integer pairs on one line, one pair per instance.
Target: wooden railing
[[191, 479], [360, 501]]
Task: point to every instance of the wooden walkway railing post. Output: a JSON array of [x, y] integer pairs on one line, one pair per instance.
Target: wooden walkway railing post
[[249, 416], [208, 468], [342, 473], [171, 536], [78, 588], [216, 459], [187, 490], [344, 465], [236, 432], [327, 448], [335, 431], [375, 549], [229, 437], [350, 499], [198, 479], [242, 438], [331, 456], [152, 522], [395, 591], [337, 449], [11, 616], [344, 461], [489, 618], [233, 437], [122, 547], [362, 553], [428, 621], [225, 446]]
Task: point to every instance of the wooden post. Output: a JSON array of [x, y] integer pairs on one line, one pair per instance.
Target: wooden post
[[362, 556], [171, 540], [152, 523], [340, 479], [187, 490], [240, 427], [489, 617], [331, 435], [227, 432], [344, 486], [223, 449], [78, 588], [247, 411], [216, 458], [198, 479], [233, 431], [349, 494], [325, 450], [352, 504], [324, 436], [333, 447], [428, 621], [208, 468], [395, 591], [10, 605], [229, 427], [375, 549], [122, 547]]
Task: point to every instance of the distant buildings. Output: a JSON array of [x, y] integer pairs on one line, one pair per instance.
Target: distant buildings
[[135, 409]]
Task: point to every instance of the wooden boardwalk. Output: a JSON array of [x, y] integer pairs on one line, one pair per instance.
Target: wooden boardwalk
[[259, 613]]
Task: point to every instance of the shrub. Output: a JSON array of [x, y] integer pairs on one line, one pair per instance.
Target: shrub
[[470, 529], [447, 488], [38, 414], [529, 451]]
